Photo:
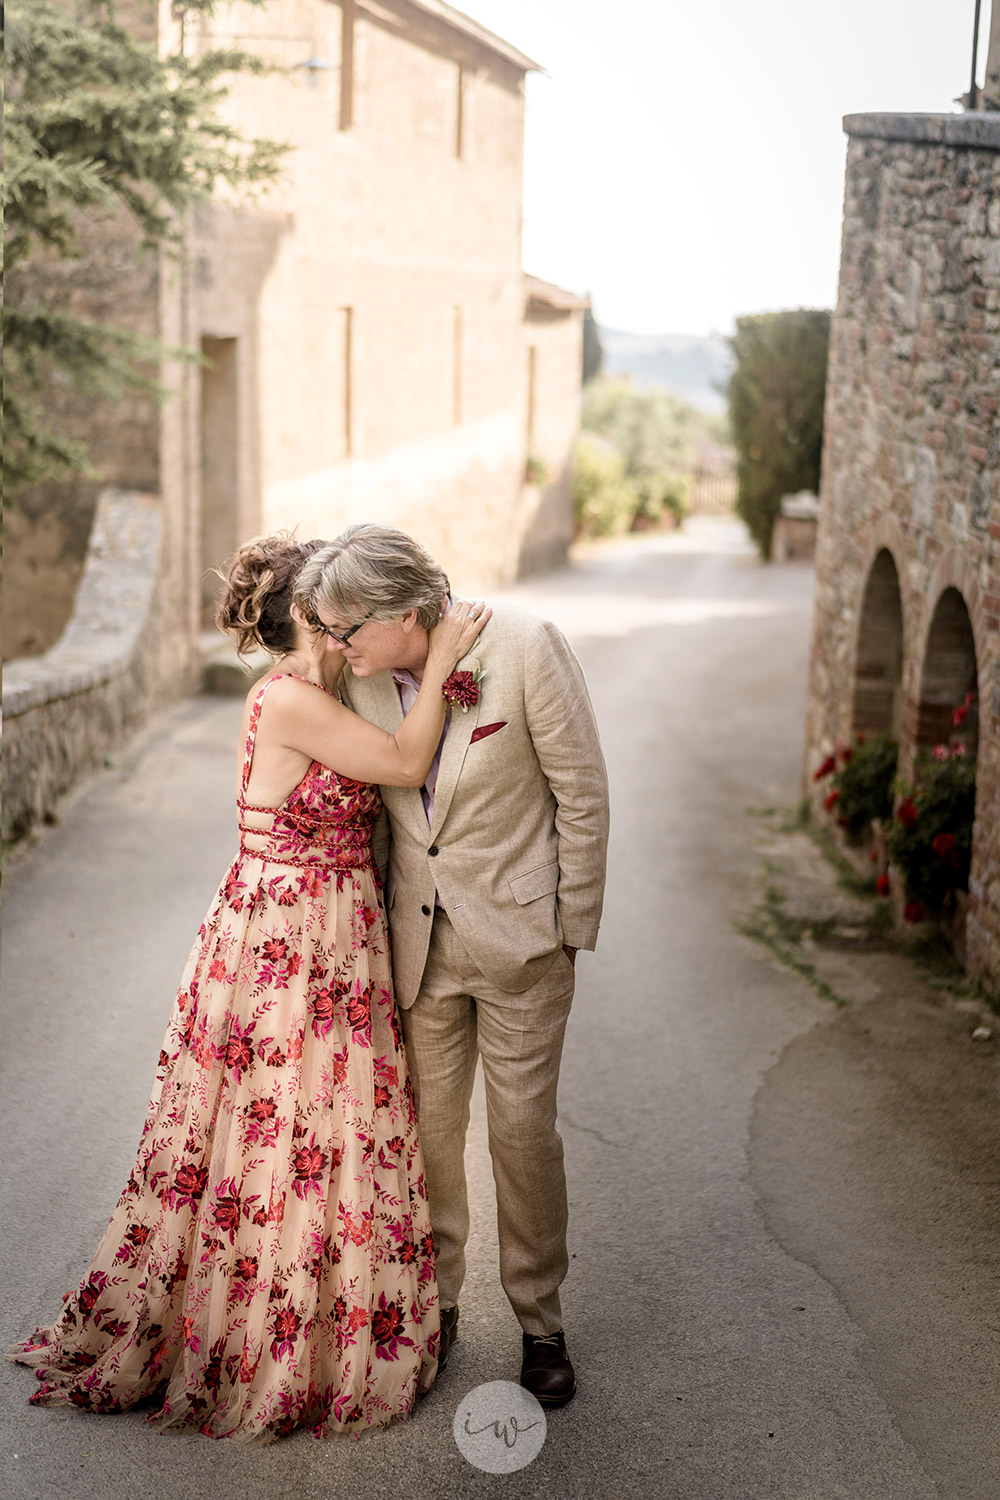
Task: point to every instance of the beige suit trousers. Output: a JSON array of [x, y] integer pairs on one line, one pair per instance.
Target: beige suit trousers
[[459, 1016]]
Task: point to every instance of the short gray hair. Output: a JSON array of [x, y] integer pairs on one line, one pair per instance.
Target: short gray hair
[[373, 570]]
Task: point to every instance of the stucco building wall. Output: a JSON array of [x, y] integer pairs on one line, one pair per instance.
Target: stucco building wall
[[375, 295], [908, 563]]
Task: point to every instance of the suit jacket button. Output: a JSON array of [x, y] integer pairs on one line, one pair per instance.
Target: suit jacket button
[[433, 849], [426, 910]]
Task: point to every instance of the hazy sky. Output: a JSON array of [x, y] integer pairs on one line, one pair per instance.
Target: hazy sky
[[684, 159]]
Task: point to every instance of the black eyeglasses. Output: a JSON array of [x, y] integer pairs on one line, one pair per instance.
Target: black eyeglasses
[[340, 636]]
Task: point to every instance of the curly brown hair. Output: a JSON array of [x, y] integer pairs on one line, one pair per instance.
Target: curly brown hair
[[256, 601]]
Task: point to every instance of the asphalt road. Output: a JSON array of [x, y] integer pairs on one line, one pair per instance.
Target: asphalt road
[[779, 1250]]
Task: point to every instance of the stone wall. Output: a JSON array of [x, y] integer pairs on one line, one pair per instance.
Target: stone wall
[[69, 709], [908, 563]]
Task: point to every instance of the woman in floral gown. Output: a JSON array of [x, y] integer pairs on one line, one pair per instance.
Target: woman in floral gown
[[270, 1264]]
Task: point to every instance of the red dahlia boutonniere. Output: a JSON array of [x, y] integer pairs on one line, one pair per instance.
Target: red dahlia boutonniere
[[461, 689]]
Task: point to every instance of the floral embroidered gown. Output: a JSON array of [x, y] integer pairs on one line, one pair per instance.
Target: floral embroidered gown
[[269, 1264]]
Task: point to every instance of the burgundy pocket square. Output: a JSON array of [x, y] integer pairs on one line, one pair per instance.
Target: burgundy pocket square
[[485, 729]]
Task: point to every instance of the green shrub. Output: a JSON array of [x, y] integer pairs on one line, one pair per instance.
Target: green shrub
[[864, 783], [656, 434], [604, 499], [930, 841], [776, 394]]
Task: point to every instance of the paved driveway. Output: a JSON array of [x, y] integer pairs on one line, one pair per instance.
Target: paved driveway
[[719, 1355]]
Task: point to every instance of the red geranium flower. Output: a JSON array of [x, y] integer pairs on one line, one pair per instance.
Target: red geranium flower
[[882, 885], [907, 813], [913, 911], [959, 716], [831, 799], [826, 769], [944, 844]]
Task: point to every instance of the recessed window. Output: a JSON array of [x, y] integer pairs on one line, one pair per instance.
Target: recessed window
[[346, 118]]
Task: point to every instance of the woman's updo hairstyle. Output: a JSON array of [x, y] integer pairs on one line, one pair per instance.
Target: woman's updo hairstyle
[[256, 601]]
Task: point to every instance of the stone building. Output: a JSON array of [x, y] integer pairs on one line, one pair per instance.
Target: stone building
[[907, 618], [372, 349]]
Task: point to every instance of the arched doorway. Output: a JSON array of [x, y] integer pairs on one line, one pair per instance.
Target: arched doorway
[[879, 657], [949, 674]]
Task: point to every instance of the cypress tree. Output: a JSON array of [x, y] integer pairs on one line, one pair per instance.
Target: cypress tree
[[776, 394]]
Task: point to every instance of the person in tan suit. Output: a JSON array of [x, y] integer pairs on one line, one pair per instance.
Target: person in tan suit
[[495, 878]]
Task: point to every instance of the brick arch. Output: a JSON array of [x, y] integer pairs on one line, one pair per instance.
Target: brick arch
[[951, 648], [883, 632], [878, 654], [948, 671], [955, 571]]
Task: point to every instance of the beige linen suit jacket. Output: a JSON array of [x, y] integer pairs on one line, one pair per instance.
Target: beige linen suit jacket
[[517, 846]]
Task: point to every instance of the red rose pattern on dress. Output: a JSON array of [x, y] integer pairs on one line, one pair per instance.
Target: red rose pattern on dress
[[270, 1262]]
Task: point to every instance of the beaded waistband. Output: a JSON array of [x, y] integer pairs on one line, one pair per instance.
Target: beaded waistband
[[344, 853], [336, 859]]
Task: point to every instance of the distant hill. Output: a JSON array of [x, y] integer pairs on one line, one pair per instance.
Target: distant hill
[[687, 366]]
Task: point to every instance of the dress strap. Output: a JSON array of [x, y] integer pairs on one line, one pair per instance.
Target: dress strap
[[254, 718], [252, 734]]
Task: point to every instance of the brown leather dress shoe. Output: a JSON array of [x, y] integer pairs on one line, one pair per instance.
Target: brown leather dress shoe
[[449, 1333], [546, 1370]]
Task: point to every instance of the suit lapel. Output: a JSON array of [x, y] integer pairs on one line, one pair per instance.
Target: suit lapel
[[457, 742]]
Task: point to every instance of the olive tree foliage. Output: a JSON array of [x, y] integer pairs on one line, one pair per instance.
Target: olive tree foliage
[[634, 456], [97, 124], [776, 394]]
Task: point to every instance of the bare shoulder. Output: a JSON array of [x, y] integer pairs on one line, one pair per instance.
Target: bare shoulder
[[288, 694]]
